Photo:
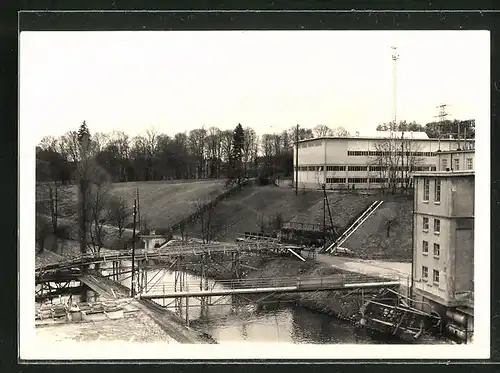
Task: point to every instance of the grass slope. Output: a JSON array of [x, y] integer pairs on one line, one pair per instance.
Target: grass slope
[[370, 239], [343, 206], [244, 211], [162, 203]]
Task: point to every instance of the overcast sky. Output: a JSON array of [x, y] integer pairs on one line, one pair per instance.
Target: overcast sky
[[269, 80]]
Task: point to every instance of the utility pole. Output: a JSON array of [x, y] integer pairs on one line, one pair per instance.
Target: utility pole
[[132, 287], [297, 160], [138, 210], [324, 217]]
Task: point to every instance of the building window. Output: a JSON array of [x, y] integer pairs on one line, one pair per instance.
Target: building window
[[356, 168], [335, 168], [377, 168], [357, 180], [335, 180], [311, 168], [469, 163], [444, 164], [426, 189], [426, 224], [456, 164], [433, 168], [435, 276], [436, 250], [378, 180], [425, 247], [437, 226], [425, 273], [437, 190]]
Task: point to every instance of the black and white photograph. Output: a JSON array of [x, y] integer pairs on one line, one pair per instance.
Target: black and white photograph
[[254, 194]]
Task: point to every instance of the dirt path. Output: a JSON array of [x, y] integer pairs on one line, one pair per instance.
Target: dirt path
[[373, 267]]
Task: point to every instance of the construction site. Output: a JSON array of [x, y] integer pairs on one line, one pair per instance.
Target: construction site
[[248, 250]]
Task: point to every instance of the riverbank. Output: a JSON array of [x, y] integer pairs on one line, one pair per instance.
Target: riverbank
[[338, 304]]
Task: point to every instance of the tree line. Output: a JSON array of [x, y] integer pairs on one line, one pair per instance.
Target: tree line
[[436, 129], [198, 154]]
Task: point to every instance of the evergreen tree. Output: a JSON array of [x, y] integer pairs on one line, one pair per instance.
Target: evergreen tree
[[84, 136], [83, 184], [236, 169]]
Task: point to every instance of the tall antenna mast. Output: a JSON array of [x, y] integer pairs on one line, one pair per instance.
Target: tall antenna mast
[[395, 57], [442, 115]]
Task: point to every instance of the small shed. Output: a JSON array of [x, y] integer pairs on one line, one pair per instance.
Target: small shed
[[152, 240]]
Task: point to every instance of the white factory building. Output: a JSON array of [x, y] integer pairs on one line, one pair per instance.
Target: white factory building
[[362, 160]]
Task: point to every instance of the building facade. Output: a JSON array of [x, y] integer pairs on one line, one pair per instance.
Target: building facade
[[456, 160], [362, 162], [443, 242]]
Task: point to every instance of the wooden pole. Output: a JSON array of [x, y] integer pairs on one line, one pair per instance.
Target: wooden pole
[[297, 160], [132, 290]]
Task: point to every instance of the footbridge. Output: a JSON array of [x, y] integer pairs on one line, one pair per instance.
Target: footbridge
[[165, 251], [274, 285]]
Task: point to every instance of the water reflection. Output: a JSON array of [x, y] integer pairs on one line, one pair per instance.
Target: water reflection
[[230, 318]]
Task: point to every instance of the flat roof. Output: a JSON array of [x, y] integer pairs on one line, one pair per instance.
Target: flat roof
[[456, 151], [444, 173], [378, 138]]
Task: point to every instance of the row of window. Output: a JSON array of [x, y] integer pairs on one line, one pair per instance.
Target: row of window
[[378, 153], [436, 249], [437, 190], [425, 275], [456, 164], [425, 225], [354, 180], [360, 168]]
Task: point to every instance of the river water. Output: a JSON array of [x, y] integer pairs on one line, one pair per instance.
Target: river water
[[229, 319]]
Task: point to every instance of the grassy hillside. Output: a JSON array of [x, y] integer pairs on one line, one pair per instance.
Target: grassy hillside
[[374, 240], [343, 206], [162, 203], [245, 211], [253, 204]]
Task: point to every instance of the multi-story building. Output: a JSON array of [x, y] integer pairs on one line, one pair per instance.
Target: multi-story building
[[361, 161], [455, 160], [443, 240]]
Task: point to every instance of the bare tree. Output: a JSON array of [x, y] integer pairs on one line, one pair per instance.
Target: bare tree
[[410, 161], [205, 208], [321, 130], [388, 162], [98, 216], [49, 143], [99, 141], [395, 161], [59, 203], [339, 132], [197, 144], [226, 146], [213, 150], [119, 212], [151, 149], [249, 143]]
